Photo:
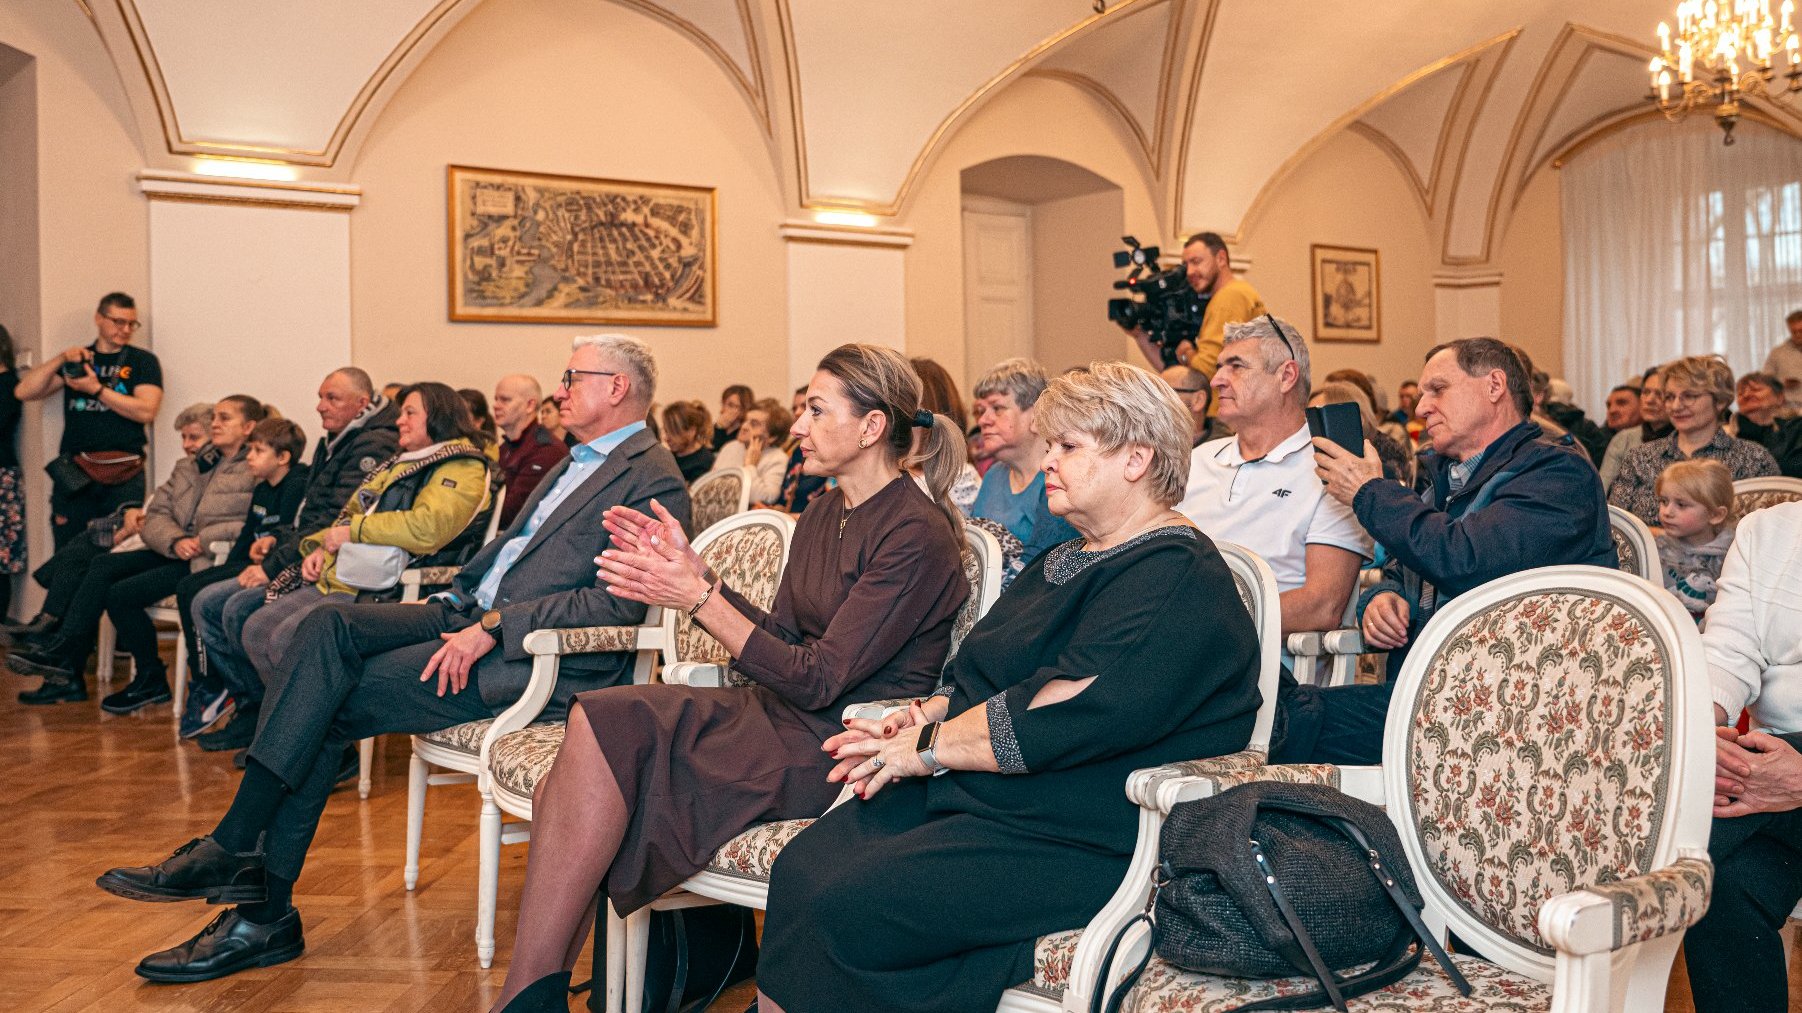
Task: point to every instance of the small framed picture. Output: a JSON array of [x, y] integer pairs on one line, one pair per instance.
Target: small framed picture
[[1347, 294]]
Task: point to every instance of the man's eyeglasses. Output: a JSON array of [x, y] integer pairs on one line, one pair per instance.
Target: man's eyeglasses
[[569, 376], [1278, 328], [121, 322]]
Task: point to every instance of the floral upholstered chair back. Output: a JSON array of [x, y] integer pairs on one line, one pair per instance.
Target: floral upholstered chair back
[[716, 496], [1751, 494], [1633, 544], [748, 552], [983, 564], [1557, 737]]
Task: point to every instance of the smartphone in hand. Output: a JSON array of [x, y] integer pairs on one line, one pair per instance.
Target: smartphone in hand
[[1342, 423]]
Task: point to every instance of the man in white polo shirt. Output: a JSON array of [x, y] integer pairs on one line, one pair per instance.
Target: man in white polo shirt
[[1258, 488]]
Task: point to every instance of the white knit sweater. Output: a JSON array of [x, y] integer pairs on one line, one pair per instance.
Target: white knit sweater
[[1753, 637]]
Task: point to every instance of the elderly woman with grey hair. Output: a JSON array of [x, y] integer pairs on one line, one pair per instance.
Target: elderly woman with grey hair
[[1013, 494], [1076, 677]]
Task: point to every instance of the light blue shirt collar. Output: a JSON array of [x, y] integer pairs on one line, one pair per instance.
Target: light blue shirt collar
[[597, 449]]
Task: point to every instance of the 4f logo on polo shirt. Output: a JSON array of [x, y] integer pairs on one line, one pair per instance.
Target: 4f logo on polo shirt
[[1279, 493]]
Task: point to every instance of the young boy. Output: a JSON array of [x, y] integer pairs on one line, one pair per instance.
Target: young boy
[[273, 451], [1695, 507]]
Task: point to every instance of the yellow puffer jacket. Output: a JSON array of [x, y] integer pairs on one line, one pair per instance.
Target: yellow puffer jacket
[[449, 494]]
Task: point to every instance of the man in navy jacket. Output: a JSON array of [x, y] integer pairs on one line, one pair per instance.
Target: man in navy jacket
[[1503, 498]]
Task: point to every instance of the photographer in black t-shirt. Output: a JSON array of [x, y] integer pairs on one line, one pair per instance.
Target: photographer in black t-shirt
[[111, 393]]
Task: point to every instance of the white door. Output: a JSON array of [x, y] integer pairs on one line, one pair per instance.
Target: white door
[[997, 283]]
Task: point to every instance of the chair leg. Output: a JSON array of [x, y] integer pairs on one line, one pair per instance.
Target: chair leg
[[417, 771], [638, 947], [488, 879], [179, 693], [103, 653], [365, 760], [616, 960]]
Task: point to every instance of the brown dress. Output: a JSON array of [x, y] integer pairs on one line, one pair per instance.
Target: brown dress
[[862, 613]]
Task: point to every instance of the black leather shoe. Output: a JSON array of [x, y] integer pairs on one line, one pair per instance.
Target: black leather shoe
[[45, 660], [547, 994], [57, 689], [141, 693], [236, 734], [229, 944], [198, 869]]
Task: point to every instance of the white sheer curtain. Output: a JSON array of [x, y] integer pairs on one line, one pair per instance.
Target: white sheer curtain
[[1675, 244]]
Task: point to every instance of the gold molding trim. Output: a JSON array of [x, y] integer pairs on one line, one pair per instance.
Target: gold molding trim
[[1436, 181], [1557, 55], [1387, 146], [1108, 98], [1301, 154], [261, 184], [753, 87], [178, 143], [892, 207], [291, 205], [1181, 169], [1622, 120], [1455, 177]]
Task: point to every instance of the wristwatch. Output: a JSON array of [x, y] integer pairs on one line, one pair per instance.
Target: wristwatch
[[491, 623], [926, 745]]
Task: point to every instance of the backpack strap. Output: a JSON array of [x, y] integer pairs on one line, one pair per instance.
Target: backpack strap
[[1310, 953], [1353, 831], [1118, 995]]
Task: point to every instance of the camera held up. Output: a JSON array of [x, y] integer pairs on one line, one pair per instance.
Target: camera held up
[[1163, 304]]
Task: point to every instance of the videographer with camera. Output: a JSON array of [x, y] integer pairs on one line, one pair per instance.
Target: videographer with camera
[[1173, 327], [112, 391]]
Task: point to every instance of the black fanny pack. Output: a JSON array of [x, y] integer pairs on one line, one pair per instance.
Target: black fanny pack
[[1273, 880]]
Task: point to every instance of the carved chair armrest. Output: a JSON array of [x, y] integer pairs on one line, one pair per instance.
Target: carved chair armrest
[[1638, 909], [429, 576], [1162, 793], [695, 673], [874, 710], [593, 640]]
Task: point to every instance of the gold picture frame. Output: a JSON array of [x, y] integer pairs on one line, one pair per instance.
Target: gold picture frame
[[1346, 283], [533, 247]]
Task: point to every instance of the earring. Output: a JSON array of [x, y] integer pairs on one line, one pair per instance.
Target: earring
[[863, 444]]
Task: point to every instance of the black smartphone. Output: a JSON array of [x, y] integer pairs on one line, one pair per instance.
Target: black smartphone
[[1342, 423]]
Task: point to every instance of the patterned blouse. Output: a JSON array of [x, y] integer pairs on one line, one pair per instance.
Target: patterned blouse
[[1635, 489]]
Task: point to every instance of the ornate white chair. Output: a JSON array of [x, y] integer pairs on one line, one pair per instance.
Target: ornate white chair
[[1549, 762], [748, 550], [1634, 544], [718, 495], [1751, 494]]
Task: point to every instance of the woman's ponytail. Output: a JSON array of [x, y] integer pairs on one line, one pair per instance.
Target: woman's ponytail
[[939, 456]]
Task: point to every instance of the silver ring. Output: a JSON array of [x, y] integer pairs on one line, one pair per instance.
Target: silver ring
[[877, 763]]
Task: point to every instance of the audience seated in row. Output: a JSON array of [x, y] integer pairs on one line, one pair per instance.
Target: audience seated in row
[[1013, 491], [1697, 390]]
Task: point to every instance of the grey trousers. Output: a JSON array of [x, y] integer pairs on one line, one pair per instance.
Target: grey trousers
[[269, 630]]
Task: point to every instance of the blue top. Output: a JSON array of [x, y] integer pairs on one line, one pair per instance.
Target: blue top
[[1025, 514], [584, 458]]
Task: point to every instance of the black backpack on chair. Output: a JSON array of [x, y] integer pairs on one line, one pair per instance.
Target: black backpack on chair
[[1272, 880]]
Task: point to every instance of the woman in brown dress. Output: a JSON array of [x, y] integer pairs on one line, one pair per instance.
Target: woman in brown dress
[[651, 780]]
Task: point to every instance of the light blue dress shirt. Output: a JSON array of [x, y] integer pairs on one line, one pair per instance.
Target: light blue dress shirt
[[584, 458]]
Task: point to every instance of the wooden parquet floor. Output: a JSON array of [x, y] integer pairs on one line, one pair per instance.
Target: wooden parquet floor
[[83, 791]]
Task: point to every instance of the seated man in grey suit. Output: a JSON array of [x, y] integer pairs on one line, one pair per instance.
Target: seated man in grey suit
[[356, 670]]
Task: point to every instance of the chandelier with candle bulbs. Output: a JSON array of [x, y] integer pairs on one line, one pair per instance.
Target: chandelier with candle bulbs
[[1722, 51]]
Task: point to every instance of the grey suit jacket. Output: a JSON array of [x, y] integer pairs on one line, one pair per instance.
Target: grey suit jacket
[[553, 583]]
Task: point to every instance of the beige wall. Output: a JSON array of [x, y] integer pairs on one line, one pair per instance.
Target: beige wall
[[1073, 279], [579, 88], [1532, 265], [1033, 116], [1348, 193]]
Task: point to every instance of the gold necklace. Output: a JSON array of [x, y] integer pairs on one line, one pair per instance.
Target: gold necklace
[[842, 520]]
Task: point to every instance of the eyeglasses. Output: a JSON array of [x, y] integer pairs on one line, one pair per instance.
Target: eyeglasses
[[1688, 397], [1278, 328], [121, 322], [569, 376]]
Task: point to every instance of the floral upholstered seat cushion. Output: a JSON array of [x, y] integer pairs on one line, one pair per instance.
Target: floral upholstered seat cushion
[[753, 853], [520, 760], [1051, 958], [1165, 988], [1626, 549], [1537, 755], [464, 738]]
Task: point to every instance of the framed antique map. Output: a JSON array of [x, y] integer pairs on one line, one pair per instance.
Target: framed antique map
[[535, 248], [1347, 294]]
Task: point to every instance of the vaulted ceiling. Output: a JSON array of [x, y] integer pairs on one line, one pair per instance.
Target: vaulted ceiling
[[1221, 98]]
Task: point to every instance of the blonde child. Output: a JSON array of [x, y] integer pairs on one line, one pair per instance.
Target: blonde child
[[1695, 508]]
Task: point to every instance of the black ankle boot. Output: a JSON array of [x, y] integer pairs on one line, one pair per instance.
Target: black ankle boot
[[549, 994]]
